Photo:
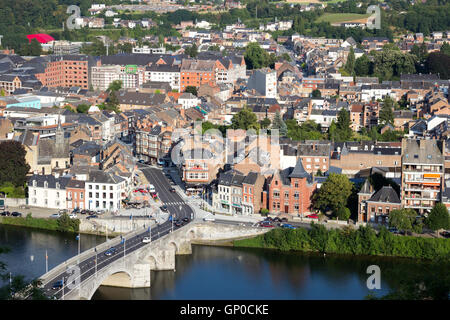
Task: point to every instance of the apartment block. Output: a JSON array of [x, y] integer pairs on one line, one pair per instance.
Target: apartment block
[[422, 174]]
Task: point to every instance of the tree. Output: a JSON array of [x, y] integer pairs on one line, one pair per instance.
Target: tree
[[83, 108], [386, 115], [192, 51], [279, 124], [35, 48], [256, 57], [265, 123], [116, 85], [402, 219], [389, 64], [13, 166], [192, 90], [245, 119], [438, 218], [334, 193], [445, 48], [343, 213], [362, 66], [343, 130], [316, 93], [438, 63], [350, 64]]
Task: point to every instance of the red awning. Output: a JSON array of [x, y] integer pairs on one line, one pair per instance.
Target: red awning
[[40, 37]]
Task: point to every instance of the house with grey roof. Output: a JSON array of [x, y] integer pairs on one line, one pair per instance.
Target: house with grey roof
[[47, 191]]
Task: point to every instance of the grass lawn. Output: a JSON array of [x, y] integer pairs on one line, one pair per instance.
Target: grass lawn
[[341, 17]]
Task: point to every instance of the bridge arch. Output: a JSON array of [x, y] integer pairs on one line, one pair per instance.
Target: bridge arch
[[113, 276]]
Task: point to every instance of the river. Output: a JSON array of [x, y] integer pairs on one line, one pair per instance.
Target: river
[[219, 272]]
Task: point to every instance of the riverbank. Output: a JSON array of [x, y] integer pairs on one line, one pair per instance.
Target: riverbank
[[363, 241]]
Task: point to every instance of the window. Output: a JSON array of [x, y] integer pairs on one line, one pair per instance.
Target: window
[[276, 194], [286, 194], [111, 195], [96, 195], [81, 195]]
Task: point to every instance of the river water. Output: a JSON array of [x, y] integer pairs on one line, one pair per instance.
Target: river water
[[219, 272]]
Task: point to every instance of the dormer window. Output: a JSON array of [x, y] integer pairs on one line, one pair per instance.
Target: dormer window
[[34, 183], [45, 184], [57, 185]]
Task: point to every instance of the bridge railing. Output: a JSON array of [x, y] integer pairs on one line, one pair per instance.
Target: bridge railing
[[86, 255]]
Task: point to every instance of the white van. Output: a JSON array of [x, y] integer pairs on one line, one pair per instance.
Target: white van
[[209, 219], [151, 188]]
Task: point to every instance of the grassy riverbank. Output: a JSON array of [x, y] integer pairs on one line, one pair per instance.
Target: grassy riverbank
[[364, 241], [63, 224]]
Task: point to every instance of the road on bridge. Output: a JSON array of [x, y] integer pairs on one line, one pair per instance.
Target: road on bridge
[[177, 208]]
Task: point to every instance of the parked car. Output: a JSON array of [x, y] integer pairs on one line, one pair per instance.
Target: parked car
[[276, 219], [83, 211], [445, 234], [172, 189], [92, 217], [284, 220], [266, 225], [16, 214], [55, 216], [73, 216], [164, 208], [394, 230], [146, 240], [186, 219], [110, 251], [288, 226], [6, 213], [313, 216]]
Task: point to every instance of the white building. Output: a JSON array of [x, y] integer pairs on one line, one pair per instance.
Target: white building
[[164, 73], [188, 100], [102, 76], [47, 191], [104, 191], [264, 81]]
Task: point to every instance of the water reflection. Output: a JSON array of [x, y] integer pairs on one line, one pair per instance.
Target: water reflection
[[25, 243]]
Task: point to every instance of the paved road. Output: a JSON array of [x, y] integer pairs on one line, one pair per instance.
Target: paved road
[[176, 207]]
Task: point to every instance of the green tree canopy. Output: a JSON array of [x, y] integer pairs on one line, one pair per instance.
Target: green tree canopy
[[333, 193], [387, 112], [13, 166], [245, 119], [438, 218], [362, 66], [402, 219], [192, 90], [83, 108], [114, 86], [265, 123], [316, 93], [256, 57], [350, 64], [343, 131], [343, 213], [279, 124]]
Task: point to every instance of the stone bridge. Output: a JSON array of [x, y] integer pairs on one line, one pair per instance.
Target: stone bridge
[[133, 271]]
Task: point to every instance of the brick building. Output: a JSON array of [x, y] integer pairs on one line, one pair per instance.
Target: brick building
[[75, 194], [290, 191]]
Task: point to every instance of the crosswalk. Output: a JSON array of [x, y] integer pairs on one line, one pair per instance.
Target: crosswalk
[[174, 203]]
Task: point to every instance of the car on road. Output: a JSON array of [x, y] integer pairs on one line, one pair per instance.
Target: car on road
[[313, 216], [276, 219], [151, 188], [288, 226], [58, 285], [186, 219], [110, 251], [177, 224], [146, 240], [6, 213], [172, 189], [209, 219], [284, 220], [93, 216], [73, 216], [164, 208], [266, 225], [55, 216], [141, 161], [16, 214]]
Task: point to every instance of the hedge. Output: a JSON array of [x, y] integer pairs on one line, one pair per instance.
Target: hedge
[[363, 241]]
